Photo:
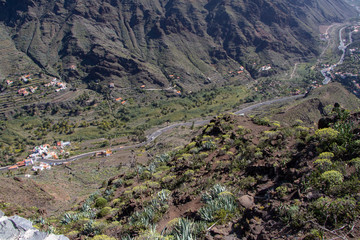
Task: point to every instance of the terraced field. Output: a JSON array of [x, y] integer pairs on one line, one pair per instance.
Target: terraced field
[[10, 99]]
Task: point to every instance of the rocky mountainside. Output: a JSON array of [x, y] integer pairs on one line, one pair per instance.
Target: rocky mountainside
[[144, 42]]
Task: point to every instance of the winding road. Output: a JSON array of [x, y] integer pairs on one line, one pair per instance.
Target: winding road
[[342, 47], [151, 137]]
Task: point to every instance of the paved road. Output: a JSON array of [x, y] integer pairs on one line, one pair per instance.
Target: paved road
[[342, 47], [151, 137]]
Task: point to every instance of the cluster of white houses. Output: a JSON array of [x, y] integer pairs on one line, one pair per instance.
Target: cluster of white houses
[[56, 83], [44, 151]]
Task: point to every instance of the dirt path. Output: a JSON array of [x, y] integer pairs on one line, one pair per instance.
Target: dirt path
[[294, 70]]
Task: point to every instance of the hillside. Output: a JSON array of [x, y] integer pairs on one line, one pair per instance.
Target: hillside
[[315, 105], [239, 177], [144, 42]]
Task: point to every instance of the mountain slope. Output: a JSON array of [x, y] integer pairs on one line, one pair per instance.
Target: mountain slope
[[146, 41], [239, 178]]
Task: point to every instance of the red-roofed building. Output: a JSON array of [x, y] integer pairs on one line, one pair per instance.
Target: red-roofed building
[[13, 167]]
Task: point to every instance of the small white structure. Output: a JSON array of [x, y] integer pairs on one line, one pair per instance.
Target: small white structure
[[41, 167]]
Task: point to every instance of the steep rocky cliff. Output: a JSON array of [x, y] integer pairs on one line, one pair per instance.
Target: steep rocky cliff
[[142, 41]]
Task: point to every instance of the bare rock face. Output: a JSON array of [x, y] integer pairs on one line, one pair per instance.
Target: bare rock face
[[13, 228], [145, 41]]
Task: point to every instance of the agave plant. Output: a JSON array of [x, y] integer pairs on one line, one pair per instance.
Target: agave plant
[[140, 169], [40, 220], [90, 214], [143, 218], [67, 218], [163, 158], [85, 207], [108, 193], [206, 197], [51, 229], [90, 228], [152, 168], [118, 183], [184, 230], [216, 190], [127, 237], [163, 195], [223, 201]]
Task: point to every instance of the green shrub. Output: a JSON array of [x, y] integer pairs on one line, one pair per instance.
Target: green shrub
[[298, 122], [194, 150], [261, 121], [139, 190], [356, 163], [258, 154], [168, 181], [292, 214], [152, 185], [128, 182], [103, 237], [241, 130], [203, 155], [271, 134], [115, 201], [186, 156], [189, 173], [332, 213], [315, 235], [208, 145], [323, 164], [191, 145], [281, 191], [103, 212], [163, 158], [90, 228], [145, 175], [301, 132], [247, 183], [100, 202], [118, 183], [276, 124], [326, 155], [326, 134], [332, 177]]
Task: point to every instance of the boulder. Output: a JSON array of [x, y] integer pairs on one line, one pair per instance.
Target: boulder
[[8, 230], [247, 201], [21, 223], [15, 227]]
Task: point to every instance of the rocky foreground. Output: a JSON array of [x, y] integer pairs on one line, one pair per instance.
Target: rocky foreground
[[16, 227]]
